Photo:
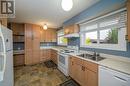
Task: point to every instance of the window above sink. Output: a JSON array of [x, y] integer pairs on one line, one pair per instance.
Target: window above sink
[[106, 32]]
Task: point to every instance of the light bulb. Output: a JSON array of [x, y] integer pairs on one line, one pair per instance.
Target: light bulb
[[45, 27], [67, 4]]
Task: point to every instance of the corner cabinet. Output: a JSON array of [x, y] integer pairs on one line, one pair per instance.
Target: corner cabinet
[[32, 44], [128, 20], [84, 72], [71, 29]]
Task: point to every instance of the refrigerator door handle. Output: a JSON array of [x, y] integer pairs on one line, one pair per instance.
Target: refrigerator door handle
[[119, 78]]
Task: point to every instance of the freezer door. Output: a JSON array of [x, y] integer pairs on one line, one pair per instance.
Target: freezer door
[[7, 34]]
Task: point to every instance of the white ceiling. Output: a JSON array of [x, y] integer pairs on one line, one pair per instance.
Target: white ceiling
[[47, 11]]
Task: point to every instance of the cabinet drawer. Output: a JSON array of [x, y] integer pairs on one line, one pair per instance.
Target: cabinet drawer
[[19, 60], [91, 66]]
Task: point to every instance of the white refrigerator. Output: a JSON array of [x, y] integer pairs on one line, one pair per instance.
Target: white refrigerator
[[6, 57]]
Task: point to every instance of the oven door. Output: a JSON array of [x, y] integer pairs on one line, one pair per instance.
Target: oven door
[[63, 59], [63, 63]]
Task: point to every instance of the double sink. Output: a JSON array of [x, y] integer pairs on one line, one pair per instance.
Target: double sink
[[91, 57]]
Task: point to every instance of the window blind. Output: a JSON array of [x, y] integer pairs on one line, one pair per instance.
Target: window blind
[[117, 20]]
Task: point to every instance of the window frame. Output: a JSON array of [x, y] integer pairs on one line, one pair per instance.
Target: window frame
[[122, 43], [60, 33]]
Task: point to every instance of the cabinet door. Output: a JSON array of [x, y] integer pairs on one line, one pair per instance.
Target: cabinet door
[[45, 54], [19, 60], [128, 19], [76, 28], [43, 36], [28, 57], [76, 70], [91, 78], [54, 56], [71, 68], [48, 35], [71, 29], [53, 35], [90, 74], [79, 74], [36, 44], [28, 44], [28, 37]]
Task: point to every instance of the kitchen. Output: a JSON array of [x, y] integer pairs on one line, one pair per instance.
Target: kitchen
[[69, 43]]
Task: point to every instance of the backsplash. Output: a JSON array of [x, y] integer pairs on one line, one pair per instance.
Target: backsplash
[[73, 41], [76, 41], [18, 46], [42, 44]]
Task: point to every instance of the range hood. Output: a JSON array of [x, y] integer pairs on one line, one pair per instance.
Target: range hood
[[72, 35]]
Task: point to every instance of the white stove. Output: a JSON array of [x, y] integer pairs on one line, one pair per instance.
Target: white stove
[[63, 58]]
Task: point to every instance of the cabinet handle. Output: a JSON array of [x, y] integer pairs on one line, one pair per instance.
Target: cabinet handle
[[120, 78], [126, 37], [32, 35], [72, 63], [83, 68]]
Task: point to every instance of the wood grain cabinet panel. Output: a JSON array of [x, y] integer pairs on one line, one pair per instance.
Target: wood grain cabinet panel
[[32, 44], [48, 35], [84, 72], [19, 60], [90, 74], [71, 29], [128, 19], [76, 70], [54, 56], [45, 55]]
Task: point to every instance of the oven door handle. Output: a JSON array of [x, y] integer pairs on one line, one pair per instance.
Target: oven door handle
[[62, 54]]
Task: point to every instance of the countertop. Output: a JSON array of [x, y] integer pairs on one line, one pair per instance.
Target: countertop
[[115, 64], [17, 52]]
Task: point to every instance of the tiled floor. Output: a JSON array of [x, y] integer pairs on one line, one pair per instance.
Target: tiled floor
[[38, 75]]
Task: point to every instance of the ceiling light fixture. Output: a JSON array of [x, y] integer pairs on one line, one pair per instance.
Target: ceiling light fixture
[[45, 27], [67, 5]]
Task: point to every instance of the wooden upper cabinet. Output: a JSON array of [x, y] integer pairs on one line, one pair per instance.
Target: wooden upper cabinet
[[53, 35], [71, 29], [3, 21], [18, 28], [48, 35], [128, 19]]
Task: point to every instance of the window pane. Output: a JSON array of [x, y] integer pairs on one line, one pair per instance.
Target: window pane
[[91, 37], [109, 36], [62, 40]]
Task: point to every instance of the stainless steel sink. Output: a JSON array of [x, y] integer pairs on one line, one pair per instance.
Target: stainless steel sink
[[92, 57]]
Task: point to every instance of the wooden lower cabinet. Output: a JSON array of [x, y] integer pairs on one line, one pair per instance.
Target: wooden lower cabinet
[[45, 55], [90, 74], [54, 56], [83, 72], [48, 54], [90, 78], [76, 70], [19, 60]]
